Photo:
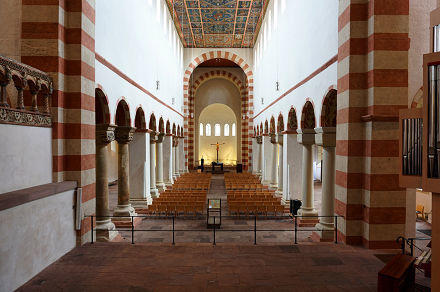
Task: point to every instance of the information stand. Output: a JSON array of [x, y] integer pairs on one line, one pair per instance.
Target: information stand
[[214, 213]]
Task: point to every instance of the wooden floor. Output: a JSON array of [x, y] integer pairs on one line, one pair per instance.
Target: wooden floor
[[203, 267]]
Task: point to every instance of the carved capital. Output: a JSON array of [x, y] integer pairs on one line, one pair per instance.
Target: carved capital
[[124, 135], [153, 137], [273, 138], [259, 139], [6, 77], [160, 137], [105, 133]]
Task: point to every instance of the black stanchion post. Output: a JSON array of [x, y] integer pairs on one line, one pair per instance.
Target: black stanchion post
[[91, 227], [173, 230], [214, 231], [336, 229], [255, 230], [296, 242], [132, 230]]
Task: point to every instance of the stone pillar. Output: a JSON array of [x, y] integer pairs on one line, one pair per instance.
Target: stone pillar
[[124, 135], [280, 165], [260, 156], [182, 167], [160, 185], [267, 160], [140, 196], [274, 164], [307, 138], [255, 155], [153, 190], [176, 157], [293, 167], [105, 229], [326, 137], [168, 159]]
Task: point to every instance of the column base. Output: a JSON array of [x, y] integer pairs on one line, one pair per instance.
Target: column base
[[176, 175], [273, 186], [141, 203], [154, 193], [325, 232], [168, 184], [160, 187], [123, 210], [305, 221], [285, 201], [105, 231]]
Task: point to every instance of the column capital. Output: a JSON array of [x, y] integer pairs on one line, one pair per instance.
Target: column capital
[[306, 136], [326, 136], [273, 138], [289, 132], [280, 138], [105, 133], [124, 134], [259, 139], [160, 137], [153, 137]]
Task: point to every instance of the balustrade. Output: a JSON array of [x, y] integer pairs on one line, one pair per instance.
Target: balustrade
[[13, 110]]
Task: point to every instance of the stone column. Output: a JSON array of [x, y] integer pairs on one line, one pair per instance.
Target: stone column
[[307, 138], [105, 229], [124, 135], [168, 157], [280, 165], [267, 160], [182, 166], [260, 156], [274, 166], [153, 190], [159, 163], [176, 157], [326, 137]]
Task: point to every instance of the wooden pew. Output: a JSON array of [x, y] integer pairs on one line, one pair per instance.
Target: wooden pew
[[397, 275]]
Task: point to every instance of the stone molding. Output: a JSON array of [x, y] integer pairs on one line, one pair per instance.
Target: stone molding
[[124, 134], [25, 118]]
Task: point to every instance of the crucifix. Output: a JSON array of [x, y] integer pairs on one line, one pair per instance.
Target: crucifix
[[217, 145]]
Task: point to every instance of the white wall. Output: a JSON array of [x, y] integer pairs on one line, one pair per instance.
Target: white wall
[[299, 40], [34, 235], [140, 40], [189, 54], [26, 157]]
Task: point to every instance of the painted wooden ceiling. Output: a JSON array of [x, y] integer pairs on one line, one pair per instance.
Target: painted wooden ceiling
[[218, 23]]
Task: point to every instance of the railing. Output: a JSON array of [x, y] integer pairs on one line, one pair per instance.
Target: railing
[[215, 229], [404, 242], [24, 78]]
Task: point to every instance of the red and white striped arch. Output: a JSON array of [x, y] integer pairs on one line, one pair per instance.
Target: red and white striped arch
[[247, 108]]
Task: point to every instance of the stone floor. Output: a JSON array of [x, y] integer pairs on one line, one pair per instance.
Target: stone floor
[[201, 267]]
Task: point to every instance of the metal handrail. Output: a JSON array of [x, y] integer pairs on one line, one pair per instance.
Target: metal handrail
[[214, 230], [410, 242]]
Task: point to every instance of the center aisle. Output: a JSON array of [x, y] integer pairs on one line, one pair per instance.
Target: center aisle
[[218, 191]]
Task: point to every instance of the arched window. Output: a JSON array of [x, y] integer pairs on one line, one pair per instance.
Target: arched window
[[226, 134], [217, 130], [208, 130], [201, 129], [234, 130]]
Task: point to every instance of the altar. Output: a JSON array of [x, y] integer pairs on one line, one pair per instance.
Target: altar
[[217, 165]]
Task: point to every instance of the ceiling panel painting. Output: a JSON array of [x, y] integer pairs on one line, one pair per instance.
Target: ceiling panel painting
[[218, 23]]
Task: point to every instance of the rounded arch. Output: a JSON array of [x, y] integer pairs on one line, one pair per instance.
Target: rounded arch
[[329, 109], [266, 127], [152, 123], [102, 112], [417, 101], [218, 74], [174, 131], [139, 120], [308, 120], [261, 129], [161, 125], [168, 127], [292, 120], [280, 124], [272, 128], [178, 131], [122, 117]]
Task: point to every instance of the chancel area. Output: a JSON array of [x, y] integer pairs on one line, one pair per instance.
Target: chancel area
[[200, 145]]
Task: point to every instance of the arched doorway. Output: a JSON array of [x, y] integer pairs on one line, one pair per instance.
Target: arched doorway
[[217, 124]]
